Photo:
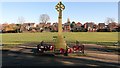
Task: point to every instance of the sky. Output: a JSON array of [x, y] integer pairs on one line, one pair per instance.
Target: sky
[[96, 12], [59, 0]]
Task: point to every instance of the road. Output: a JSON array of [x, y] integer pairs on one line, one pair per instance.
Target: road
[[23, 56], [10, 58]]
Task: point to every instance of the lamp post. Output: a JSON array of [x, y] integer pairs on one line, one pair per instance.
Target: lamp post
[[60, 43]]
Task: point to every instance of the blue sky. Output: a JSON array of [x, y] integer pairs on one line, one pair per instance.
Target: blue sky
[[59, 0], [77, 11]]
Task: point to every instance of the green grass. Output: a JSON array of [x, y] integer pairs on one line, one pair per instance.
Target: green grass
[[84, 37]]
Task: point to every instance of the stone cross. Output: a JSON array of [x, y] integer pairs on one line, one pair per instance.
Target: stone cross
[[60, 43]]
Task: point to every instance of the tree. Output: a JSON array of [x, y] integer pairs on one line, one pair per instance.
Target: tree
[[109, 20], [44, 18], [21, 20], [72, 25]]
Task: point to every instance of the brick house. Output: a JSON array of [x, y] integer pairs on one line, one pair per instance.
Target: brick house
[[95, 28], [112, 26], [89, 26], [27, 26], [4, 26], [9, 27], [48, 24], [44, 26], [47, 27], [101, 26], [78, 24], [54, 27], [66, 26], [0, 26], [41, 25]]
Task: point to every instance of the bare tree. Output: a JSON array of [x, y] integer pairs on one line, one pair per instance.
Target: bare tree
[[109, 20], [21, 20], [44, 18]]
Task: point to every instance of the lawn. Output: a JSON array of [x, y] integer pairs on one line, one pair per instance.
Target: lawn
[[89, 37]]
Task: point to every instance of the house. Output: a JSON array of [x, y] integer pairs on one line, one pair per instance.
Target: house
[[0, 26], [54, 27], [27, 26], [4, 26], [101, 26], [48, 24], [112, 26], [41, 25], [118, 27], [47, 27], [44, 26], [66, 27], [78, 24], [95, 28], [89, 26], [9, 28], [77, 27]]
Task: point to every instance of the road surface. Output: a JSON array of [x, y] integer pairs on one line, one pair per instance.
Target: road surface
[[24, 56], [10, 58]]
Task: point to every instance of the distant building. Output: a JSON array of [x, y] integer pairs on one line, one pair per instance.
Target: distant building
[[101, 26], [0, 26], [78, 24], [89, 26], [112, 26], [4, 26], [78, 27], [41, 25], [27, 26], [66, 27], [95, 28], [48, 24], [47, 27], [54, 27], [8, 28]]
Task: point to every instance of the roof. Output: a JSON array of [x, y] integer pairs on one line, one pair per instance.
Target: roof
[[101, 24], [66, 24]]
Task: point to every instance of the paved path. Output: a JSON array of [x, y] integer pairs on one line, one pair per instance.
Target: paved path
[[21, 59], [24, 55], [104, 56], [100, 52]]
